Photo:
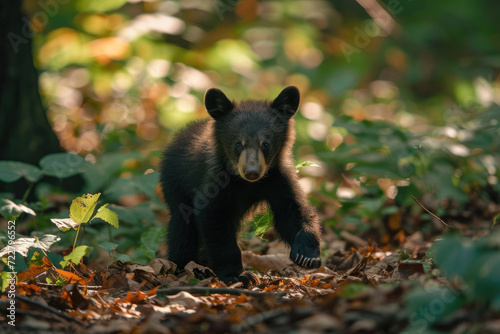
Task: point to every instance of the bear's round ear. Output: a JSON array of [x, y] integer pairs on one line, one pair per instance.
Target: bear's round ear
[[217, 103], [287, 101]]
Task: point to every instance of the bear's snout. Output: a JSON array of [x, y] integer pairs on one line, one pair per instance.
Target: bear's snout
[[252, 164], [252, 174]]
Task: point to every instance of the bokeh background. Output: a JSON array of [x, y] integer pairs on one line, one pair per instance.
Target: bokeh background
[[399, 98]]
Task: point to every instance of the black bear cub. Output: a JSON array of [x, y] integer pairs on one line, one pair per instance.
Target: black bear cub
[[216, 170]]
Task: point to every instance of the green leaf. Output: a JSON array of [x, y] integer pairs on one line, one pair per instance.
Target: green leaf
[[138, 214], [483, 275], [35, 253], [133, 185], [5, 280], [306, 164], [354, 289], [81, 208], [110, 165], [123, 186], [476, 263], [149, 253], [76, 255], [194, 281], [65, 224], [495, 221], [11, 210], [262, 223], [60, 282], [153, 236], [148, 183], [22, 245], [452, 256], [107, 215], [122, 257], [372, 205], [62, 165], [108, 246], [430, 305], [36, 258], [11, 171], [139, 257], [20, 260]]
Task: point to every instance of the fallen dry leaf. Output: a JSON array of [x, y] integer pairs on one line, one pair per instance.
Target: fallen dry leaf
[[264, 263]]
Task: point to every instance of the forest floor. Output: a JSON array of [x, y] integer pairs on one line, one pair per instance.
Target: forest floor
[[361, 288]]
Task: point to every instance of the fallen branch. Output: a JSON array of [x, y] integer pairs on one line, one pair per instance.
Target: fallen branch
[[49, 309], [354, 239], [223, 291]]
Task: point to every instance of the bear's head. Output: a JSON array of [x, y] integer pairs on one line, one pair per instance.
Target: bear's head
[[252, 134]]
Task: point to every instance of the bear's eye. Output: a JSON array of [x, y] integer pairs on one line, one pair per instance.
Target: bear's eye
[[238, 147], [265, 146]]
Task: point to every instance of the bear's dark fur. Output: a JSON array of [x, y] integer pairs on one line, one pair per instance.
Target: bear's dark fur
[[216, 170]]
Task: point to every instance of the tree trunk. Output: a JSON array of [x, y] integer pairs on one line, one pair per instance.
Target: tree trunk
[[25, 132]]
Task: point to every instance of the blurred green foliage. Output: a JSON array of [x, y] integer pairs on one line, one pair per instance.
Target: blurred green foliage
[[398, 98], [472, 263]]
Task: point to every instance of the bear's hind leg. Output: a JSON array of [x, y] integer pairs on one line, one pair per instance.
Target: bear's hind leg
[[218, 225], [182, 239]]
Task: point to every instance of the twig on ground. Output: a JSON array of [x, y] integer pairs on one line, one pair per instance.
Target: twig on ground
[[49, 309], [354, 239], [433, 215]]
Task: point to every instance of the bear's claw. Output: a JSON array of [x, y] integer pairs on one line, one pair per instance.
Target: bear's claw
[[307, 262], [305, 250]]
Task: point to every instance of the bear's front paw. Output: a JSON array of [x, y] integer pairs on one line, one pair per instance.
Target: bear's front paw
[[305, 250], [247, 278]]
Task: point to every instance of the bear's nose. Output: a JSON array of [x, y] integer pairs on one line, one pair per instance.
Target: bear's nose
[[252, 174]]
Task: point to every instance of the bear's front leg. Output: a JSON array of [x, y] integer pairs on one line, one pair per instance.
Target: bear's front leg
[[218, 232], [306, 250], [295, 221]]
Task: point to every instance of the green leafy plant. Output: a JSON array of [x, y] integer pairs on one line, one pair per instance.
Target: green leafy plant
[[262, 222], [75, 256], [81, 212], [495, 221], [434, 163], [306, 164], [473, 264], [110, 247], [22, 245], [60, 165], [476, 263], [12, 211]]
